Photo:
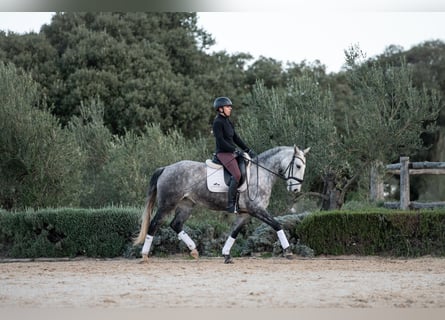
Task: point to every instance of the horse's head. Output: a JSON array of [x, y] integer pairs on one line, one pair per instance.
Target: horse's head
[[294, 172]]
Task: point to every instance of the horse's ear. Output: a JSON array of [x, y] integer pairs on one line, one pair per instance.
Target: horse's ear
[[306, 150]]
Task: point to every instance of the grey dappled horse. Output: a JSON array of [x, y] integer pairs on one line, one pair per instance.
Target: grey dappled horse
[[182, 185]]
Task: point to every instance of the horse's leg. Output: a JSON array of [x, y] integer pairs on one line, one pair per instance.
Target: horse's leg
[[237, 226], [264, 216], [181, 215], [155, 224]]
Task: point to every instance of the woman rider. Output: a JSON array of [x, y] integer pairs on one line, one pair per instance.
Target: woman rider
[[226, 140]]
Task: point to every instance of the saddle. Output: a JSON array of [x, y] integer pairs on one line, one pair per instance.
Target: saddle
[[218, 177]]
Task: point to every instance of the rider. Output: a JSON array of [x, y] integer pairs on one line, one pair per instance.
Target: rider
[[226, 141]]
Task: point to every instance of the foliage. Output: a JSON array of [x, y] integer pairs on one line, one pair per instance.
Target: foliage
[[298, 115], [40, 163], [426, 60], [117, 84], [302, 115], [267, 69], [43, 164], [145, 67], [375, 232], [95, 141], [389, 116], [387, 105], [133, 158], [67, 232], [108, 233], [119, 167]]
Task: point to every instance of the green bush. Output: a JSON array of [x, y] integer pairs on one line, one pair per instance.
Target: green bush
[[108, 232], [40, 163], [67, 232], [82, 164], [375, 232], [132, 159]]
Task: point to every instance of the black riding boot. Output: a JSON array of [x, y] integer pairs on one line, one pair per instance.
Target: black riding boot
[[232, 205]]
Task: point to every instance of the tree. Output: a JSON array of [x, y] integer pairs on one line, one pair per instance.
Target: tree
[[136, 63], [426, 64], [387, 120], [133, 158], [145, 67], [40, 163], [300, 114], [267, 70], [95, 142]]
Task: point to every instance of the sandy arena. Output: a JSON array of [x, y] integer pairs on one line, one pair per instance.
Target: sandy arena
[[337, 282]]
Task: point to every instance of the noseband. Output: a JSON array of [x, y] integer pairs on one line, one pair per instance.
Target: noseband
[[290, 169]]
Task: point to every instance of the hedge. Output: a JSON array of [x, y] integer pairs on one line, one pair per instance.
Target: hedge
[[108, 232], [375, 232], [67, 232]]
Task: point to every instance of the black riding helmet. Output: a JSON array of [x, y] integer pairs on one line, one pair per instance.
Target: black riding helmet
[[221, 102]]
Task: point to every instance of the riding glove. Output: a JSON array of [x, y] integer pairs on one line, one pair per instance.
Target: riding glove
[[251, 153], [238, 153]]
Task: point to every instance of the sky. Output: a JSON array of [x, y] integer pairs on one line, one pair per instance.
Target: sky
[[294, 36], [323, 36]]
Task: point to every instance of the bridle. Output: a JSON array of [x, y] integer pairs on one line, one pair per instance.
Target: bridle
[[289, 168]]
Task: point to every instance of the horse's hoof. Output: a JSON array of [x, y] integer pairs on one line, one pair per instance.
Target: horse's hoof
[[227, 259], [144, 258], [289, 256], [194, 253], [287, 253]]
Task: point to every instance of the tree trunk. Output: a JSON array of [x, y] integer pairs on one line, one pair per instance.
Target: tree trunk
[[334, 198]]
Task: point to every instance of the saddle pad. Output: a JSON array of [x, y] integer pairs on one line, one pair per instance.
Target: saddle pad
[[215, 178]]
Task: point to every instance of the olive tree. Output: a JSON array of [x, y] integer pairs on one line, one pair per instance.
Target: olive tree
[[389, 115], [300, 114], [386, 119], [40, 163]]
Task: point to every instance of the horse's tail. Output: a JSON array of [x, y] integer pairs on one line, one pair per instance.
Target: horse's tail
[[149, 206]]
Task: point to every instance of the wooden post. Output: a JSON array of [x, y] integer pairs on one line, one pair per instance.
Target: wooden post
[[404, 168], [404, 183]]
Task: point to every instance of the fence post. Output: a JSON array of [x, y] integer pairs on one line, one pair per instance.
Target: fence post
[[404, 183]]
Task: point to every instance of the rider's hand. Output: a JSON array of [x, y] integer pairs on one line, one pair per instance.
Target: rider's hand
[[251, 153]]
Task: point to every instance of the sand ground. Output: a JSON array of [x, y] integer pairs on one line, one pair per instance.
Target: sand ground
[[179, 282]]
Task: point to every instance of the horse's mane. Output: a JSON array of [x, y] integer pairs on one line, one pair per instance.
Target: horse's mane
[[271, 152]]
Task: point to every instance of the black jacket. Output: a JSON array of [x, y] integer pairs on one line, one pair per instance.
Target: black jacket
[[225, 135]]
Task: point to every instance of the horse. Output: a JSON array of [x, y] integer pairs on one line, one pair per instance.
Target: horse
[[182, 185]]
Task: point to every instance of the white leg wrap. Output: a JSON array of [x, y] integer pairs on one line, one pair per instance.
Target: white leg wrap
[[228, 245], [147, 245], [187, 240], [283, 239]]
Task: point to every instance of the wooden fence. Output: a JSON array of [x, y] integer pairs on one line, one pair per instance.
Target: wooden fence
[[405, 169]]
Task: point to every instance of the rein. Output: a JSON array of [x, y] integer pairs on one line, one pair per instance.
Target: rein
[[280, 175]]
